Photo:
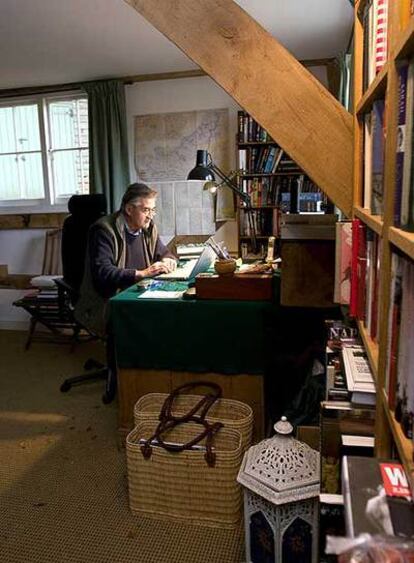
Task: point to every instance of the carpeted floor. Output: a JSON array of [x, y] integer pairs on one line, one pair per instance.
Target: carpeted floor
[[63, 484]]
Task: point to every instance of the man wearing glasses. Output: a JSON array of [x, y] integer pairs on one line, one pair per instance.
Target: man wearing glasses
[[123, 248]]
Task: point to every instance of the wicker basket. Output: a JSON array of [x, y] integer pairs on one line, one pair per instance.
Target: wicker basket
[[233, 414], [181, 486]]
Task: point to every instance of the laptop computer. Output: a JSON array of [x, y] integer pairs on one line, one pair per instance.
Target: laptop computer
[[192, 267]]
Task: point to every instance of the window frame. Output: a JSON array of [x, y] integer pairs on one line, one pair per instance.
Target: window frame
[[50, 203]]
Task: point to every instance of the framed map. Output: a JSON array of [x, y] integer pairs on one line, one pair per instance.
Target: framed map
[[166, 143]]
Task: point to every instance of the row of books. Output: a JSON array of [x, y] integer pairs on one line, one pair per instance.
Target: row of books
[[348, 373], [374, 18], [260, 160], [374, 139], [404, 179], [265, 221], [249, 131], [278, 190], [366, 264], [311, 202], [399, 379]]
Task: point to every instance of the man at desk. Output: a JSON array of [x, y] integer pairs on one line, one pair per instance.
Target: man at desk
[[123, 248]]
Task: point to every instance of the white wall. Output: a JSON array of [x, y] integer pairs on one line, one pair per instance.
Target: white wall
[[22, 251]]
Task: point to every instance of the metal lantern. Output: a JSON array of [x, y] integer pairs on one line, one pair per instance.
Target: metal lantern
[[281, 489]]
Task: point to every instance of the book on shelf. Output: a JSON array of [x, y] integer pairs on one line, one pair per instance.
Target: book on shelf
[[359, 268], [394, 322], [369, 488], [404, 401], [249, 131], [377, 167], [360, 382], [343, 266], [408, 152], [367, 139], [365, 276], [380, 28], [402, 71], [374, 19], [338, 333]]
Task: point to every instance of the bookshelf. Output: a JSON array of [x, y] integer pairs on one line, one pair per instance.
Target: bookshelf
[[275, 184], [386, 86]]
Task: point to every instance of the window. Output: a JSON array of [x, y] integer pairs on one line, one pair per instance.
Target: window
[[44, 152]]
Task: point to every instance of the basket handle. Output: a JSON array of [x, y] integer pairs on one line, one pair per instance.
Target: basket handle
[[164, 426], [204, 403]]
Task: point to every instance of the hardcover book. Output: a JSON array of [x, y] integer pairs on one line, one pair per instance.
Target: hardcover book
[[343, 259], [362, 481], [406, 181], [401, 147], [377, 196]]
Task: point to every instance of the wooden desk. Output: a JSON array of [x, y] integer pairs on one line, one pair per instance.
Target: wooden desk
[[161, 343]]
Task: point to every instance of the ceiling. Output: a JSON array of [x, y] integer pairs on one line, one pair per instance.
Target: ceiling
[[45, 42]]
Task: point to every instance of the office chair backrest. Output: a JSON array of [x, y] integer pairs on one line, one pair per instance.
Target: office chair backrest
[[84, 211]]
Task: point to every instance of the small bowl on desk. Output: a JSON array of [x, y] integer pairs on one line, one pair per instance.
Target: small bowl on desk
[[225, 267]]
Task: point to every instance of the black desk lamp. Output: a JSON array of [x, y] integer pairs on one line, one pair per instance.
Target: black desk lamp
[[206, 170]]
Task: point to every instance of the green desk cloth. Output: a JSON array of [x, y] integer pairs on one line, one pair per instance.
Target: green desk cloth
[[192, 335]]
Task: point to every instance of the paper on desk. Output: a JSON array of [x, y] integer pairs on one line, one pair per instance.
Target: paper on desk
[[157, 294]]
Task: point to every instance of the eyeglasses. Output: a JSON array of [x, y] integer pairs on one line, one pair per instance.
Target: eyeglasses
[[147, 210]]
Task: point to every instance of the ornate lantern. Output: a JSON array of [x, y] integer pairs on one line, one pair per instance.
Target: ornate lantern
[[281, 489]]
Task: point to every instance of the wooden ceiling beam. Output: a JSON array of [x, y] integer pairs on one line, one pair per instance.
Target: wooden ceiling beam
[[267, 81]]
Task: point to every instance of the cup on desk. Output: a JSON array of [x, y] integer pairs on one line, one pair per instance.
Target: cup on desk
[[225, 267]]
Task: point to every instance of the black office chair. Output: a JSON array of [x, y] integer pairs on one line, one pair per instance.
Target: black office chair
[[84, 211]]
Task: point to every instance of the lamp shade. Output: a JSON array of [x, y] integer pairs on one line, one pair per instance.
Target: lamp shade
[[201, 171]]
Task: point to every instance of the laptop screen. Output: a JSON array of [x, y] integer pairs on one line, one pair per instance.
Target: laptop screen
[[202, 264]]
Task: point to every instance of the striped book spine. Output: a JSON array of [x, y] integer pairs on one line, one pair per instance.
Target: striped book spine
[[381, 35]]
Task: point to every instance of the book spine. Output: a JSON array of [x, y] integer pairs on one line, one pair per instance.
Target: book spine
[[375, 291], [368, 119], [377, 195], [381, 34], [240, 126], [401, 147], [406, 181], [361, 270], [353, 306]]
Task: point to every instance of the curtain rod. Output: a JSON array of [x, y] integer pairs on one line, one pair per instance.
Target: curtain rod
[[31, 90]]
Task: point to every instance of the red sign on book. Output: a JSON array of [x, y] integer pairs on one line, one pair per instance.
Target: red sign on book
[[395, 480]]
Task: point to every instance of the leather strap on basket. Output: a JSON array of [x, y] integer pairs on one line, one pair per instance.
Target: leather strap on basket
[[166, 425], [203, 405]]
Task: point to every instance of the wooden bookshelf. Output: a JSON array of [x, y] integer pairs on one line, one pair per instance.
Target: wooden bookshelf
[[384, 86], [374, 222], [402, 240], [403, 444], [375, 91], [265, 173], [371, 348]]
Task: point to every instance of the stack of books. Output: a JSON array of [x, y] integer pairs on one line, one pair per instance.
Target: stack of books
[[359, 380]]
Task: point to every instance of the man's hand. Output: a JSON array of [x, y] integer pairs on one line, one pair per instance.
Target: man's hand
[[170, 263], [152, 271]]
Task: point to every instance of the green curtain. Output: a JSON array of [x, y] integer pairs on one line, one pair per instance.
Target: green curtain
[[108, 144]]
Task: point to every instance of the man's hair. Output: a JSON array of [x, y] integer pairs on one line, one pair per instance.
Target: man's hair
[[136, 191]]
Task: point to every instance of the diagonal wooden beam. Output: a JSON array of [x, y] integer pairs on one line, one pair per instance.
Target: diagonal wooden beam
[[265, 80]]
